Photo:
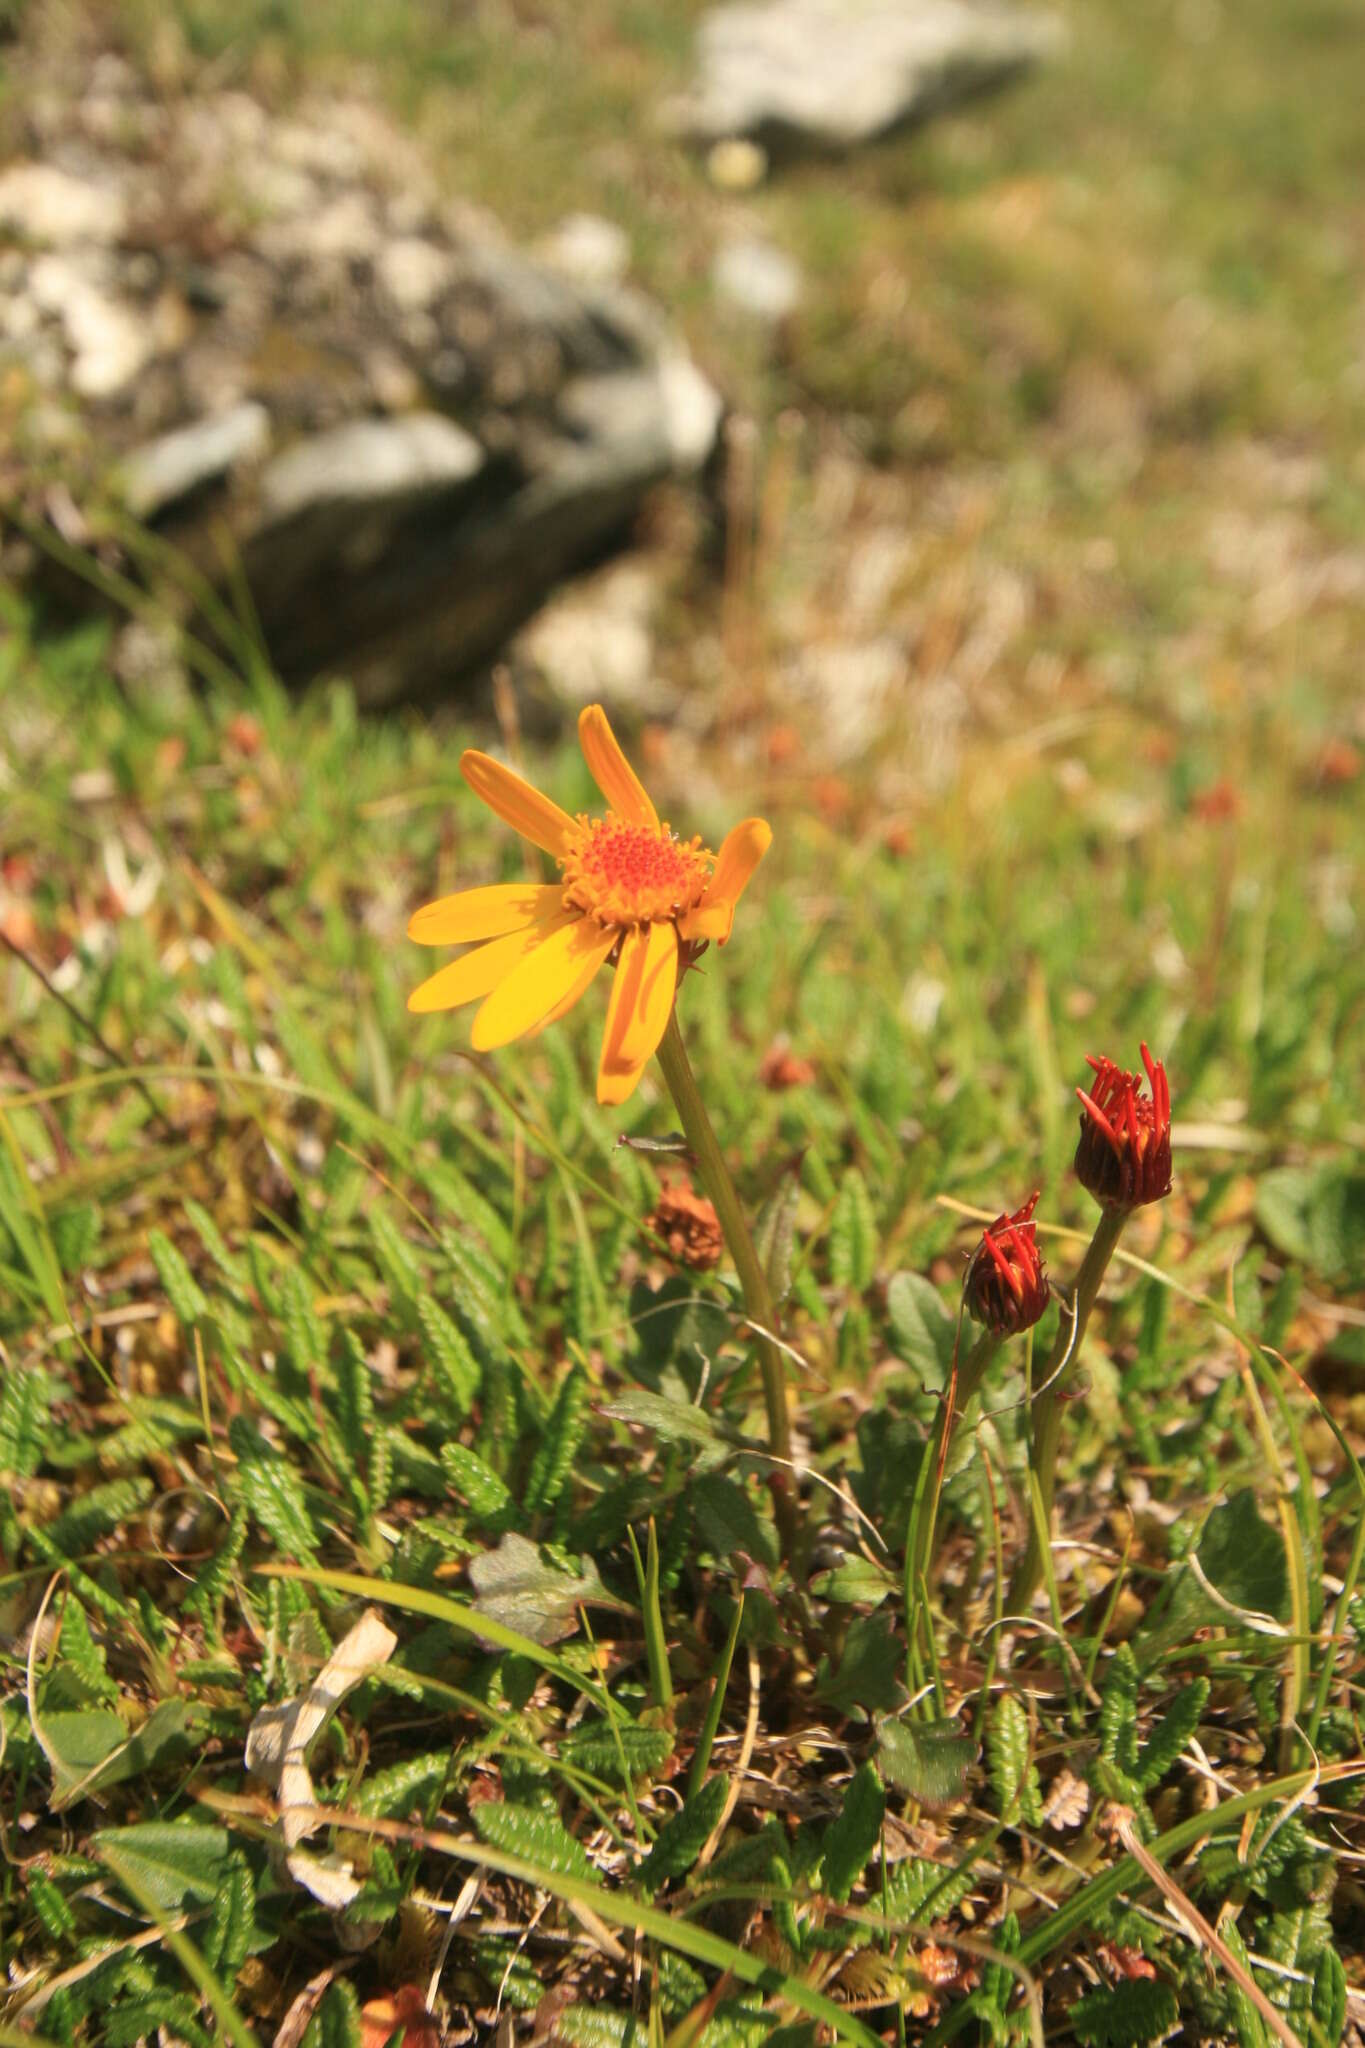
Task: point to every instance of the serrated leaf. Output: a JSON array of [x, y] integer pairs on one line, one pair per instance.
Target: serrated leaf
[[921, 1329], [270, 1488], [1242, 1557], [595, 1748], [453, 1361], [396, 1256], [599, 2026], [774, 1234], [474, 1481], [514, 1585], [683, 1836], [173, 1864], [853, 1235], [564, 1429], [928, 1759], [1118, 1711], [393, 1793], [536, 1836], [1014, 1777], [1328, 2001], [339, 2021], [183, 1291], [851, 1838], [1169, 1738], [23, 1416], [1139, 2010]]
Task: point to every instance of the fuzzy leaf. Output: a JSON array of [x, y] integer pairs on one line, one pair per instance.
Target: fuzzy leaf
[[921, 1327], [851, 1838], [1242, 1557], [853, 1236], [598, 2026], [774, 1234], [593, 1747], [683, 1836], [928, 1759], [174, 1864], [1328, 2000], [514, 1585], [867, 1680], [23, 1416], [1118, 1711], [537, 1837], [673, 1421]]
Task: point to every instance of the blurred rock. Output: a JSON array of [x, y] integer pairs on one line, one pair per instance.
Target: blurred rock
[[736, 165], [595, 642], [279, 330], [757, 279], [829, 74]]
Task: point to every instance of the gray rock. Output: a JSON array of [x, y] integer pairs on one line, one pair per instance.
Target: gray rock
[[587, 249], [170, 469], [370, 463], [758, 280], [830, 74]]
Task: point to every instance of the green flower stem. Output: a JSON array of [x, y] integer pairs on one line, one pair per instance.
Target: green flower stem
[[758, 1302], [1047, 1408], [970, 1373]]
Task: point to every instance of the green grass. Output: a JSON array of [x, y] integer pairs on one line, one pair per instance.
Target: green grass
[[305, 1309]]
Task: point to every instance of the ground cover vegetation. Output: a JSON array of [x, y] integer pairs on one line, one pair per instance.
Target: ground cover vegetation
[[402, 1605]]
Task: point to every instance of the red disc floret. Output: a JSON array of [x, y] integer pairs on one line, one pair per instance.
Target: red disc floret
[[1007, 1286], [625, 874], [1124, 1154]]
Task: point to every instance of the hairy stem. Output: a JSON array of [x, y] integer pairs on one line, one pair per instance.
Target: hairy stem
[[1047, 1408], [715, 1177]]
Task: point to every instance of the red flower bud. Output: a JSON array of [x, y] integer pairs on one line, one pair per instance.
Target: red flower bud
[[1124, 1154], [1007, 1286]]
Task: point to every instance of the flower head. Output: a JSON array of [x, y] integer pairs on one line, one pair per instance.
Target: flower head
[[1007, 1286], [1124, 1153], [688, 1224], [629, 891]]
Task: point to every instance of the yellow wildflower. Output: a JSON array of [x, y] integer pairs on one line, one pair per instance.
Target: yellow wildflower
[[629, 891]]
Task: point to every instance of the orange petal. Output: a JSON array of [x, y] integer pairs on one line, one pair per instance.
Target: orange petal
[[516, 803], [611, 771], [481, 913], [565, 962], [741, 851], [479, 972], [638, 1012]]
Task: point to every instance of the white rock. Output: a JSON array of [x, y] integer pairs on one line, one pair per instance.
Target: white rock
[[49, 206], [413, 272], [596, 641], [757, 279], [834, 73], [108, 339], [369, 462], [588, 249], [175, 464], [692, 410]]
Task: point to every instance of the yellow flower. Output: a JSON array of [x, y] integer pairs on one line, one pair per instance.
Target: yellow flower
[[629, 891]]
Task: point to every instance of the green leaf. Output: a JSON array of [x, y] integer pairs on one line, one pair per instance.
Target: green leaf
[[928, 1759], [536, 1836], [1118, 1711], [593, 1747], [727, 1520], [24, 1399], [853, 1236], [774, 1234], [598, 2026], [270, 1487], [683, 1836], [851, 1838], [921, 1329], [1317, 1216], [673, 1421], [454, 1363], [183, 1291], [474, 1481], [867, 1679], [396, 1257], [393, 1793], [1328, 2002], [514, 1585], [1141, 2009], [176, 1864], [564, 1429], [1169, 1738], [305, 1334], [228, 1934], [339, 2021], [1014, 1777], [857, 1582], [51, 1906], [1242, 1557]]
